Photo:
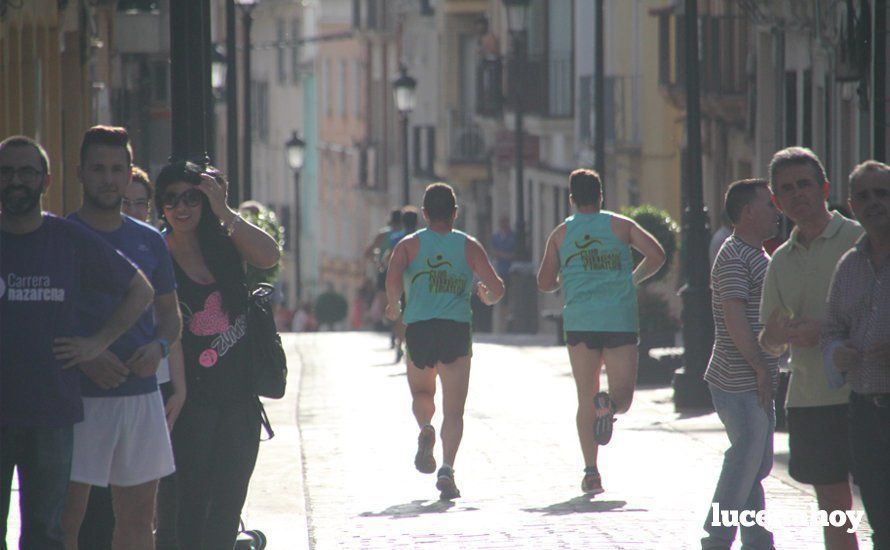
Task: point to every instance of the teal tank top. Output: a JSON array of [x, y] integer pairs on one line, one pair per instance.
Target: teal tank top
[[596, 271], [439, 282]]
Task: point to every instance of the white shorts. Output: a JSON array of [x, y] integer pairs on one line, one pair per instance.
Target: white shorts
[[122, 441]]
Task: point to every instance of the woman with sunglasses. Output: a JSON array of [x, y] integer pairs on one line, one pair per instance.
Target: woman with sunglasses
[[216, 438]]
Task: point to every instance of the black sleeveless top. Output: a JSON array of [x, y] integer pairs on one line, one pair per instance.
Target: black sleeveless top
[[214, 344]]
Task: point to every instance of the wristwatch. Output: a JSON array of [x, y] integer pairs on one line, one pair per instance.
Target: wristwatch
[[165, 347]]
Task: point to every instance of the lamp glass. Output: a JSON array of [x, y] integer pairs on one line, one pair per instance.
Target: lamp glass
[[404, 91], [517, 14], [295, 148]]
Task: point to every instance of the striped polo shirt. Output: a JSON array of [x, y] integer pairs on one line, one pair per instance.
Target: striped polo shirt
[[738, 273]]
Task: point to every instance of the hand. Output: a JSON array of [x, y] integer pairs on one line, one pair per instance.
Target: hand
[[216, 194], [879, 354], [484, 294], [777, 326], [71, 350], [106, 371], [846, 357], [173, 407], [805, 332], [145, 360], [764, 388], [392, 312]]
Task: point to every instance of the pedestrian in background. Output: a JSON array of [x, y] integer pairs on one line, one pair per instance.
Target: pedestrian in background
[[138, 195], [589, 255], [216, 439], [435, 267], [792, 310], [742, 378], [856, 342]]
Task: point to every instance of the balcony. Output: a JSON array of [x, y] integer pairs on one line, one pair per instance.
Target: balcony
[[725, 45], [465, 138], [546, 81]]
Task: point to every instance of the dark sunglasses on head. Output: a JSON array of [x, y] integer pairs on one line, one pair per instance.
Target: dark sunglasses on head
[[191, 198]]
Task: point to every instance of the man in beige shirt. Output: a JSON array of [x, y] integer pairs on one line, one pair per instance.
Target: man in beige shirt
[[793, 308]]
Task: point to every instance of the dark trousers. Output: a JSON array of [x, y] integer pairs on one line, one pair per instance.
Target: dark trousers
[[215, 447], [43, 458], [870, 458]]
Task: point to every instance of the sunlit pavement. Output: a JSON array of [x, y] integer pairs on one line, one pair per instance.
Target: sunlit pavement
[[345, 477]]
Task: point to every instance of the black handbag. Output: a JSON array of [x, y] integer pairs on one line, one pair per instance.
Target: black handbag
[[268, 360]]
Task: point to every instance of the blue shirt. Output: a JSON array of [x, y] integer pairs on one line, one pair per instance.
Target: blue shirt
[[145, 247], [503, 242], [44, 274]]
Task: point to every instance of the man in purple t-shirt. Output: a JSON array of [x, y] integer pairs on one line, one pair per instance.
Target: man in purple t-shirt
[[46, 264], [123, 440]]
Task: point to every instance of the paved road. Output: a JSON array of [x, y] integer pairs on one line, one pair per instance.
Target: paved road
[[519, 467], [344, 476]]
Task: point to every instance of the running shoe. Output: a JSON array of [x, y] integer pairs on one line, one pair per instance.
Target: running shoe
[[445, 484], [592, 484], [424, 460], [602, 427]]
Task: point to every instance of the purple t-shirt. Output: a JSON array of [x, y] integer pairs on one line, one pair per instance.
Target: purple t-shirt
[[145, 247], [43, 274]]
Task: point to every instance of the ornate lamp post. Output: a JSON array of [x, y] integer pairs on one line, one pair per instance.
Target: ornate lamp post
[[404, 91], [294, 149], [517, 22]]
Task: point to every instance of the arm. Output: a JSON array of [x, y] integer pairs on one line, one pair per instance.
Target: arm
[[743, 337], [398, 263], [648, 246], [145, 360], [490, 288], [838, 355], [548, 273], [177, 378], [255, 246], [73, 350]]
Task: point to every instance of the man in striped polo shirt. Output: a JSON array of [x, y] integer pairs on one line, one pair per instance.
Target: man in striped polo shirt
[[741, 377]]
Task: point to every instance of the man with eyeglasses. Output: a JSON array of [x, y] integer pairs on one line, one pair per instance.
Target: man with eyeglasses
[[47, 265], [136, 202], [123, 440]]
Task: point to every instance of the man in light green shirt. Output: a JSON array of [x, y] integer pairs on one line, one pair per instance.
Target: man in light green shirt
[[793, 307]]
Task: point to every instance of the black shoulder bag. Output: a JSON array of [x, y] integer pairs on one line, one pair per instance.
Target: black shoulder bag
[[268, 362]]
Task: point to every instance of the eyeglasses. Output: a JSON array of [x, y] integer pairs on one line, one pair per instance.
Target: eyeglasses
[[136, 202], [26, 174], [191, 198]]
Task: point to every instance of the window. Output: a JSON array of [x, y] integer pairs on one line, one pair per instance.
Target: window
[[357, 87], [294, 50], [325, 105], [790, 108], [341, 89], [424, 156], [279, 52], [260, 101]]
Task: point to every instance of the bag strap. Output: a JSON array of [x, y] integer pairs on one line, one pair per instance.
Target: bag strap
[[264, 420]]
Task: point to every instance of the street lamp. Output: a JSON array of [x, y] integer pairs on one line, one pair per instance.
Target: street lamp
[[218, 67], [247, 7], [404, 90], [517, 23], [294, 149], [690, 390]]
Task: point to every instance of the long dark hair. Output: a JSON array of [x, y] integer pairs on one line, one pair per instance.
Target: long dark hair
[[216, 247]]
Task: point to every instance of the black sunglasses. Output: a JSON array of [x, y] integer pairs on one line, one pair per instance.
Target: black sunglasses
[[191, 198]]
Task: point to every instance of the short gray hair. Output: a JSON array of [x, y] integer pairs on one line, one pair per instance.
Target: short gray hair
[[795, 156], [867, 167]]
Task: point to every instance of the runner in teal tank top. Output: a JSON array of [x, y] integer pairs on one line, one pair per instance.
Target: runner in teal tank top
[[589, 255], [595, 268], [438, 283], [435, 268]]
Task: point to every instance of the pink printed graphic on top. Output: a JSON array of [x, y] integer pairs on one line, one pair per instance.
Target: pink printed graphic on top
[[212, 319]]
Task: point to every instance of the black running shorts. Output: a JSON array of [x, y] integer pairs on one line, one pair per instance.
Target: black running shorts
[[818, 450], [438, 341], [600, 340]]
